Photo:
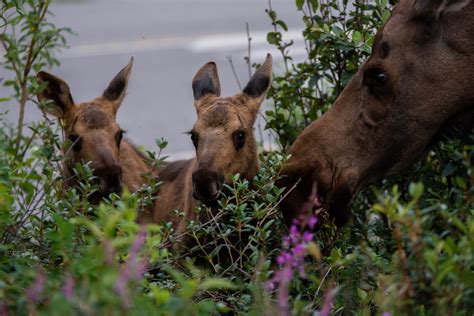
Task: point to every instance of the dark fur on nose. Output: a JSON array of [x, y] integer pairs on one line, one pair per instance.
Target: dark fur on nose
[[110, 179], [207, 185]]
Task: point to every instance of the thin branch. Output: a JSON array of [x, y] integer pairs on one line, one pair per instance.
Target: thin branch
[[229, 59], [249, 45]]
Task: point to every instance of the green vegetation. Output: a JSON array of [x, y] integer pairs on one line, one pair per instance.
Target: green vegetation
[[409, 248]]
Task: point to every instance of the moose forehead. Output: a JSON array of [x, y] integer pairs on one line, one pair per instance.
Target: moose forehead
[[221, 113], [94, 116]]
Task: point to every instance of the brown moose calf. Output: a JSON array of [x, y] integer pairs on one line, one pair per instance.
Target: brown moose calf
[[224, 142], [95, 136]]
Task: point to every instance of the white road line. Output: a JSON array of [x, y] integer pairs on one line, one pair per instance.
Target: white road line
[[206, 43], [236, 40], [224, 42], [115, 48]]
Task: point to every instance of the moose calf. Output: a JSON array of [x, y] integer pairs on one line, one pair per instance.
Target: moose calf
[[224, 143], [95, 136]]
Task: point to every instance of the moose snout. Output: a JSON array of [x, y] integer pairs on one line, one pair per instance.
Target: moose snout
[[207, 185], [110, 180]]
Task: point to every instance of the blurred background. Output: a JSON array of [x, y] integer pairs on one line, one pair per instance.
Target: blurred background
[[170, 40]]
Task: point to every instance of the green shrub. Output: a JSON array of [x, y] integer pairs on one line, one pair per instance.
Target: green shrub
[[408, 249]]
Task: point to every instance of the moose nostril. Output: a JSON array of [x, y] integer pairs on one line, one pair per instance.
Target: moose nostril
[[110, 179], [214, 189], [207, 184]]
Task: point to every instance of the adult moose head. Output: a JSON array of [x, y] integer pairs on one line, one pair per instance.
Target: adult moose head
[[94, 134], [417, 80], [224, 143]]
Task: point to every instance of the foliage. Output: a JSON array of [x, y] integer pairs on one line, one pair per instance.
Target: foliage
[[29, 41], [408, 249], [337, 38]]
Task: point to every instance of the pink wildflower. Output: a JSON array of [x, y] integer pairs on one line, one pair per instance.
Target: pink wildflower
[[68, 287], [294, 249], [133, 269], [3, 309], [307, 237], [328, 303], [33, 293], [312, 221]]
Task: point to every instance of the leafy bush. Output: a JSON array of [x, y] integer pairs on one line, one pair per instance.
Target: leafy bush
[[338, 38], [408, 249]]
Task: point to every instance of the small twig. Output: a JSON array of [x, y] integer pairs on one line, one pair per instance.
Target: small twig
[[229, 59], [322, 281], [280, 47], [24, 79], [249, 48]]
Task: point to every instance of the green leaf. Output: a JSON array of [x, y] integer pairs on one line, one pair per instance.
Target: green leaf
[[416, 190], [282, 24], [299, 4], [217, 284], [274, 38], [356, 37], [314, 5]]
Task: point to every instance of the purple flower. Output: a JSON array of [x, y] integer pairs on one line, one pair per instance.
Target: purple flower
[[301, 272], [33, 293], [316, 201], [281, 259], [312, 221], [328, 300], [138, 243], [386, 314], [299, 250], [141, 268], [68, 287], [294, 249], [122, 281], [285, 276], [307, 237], [134, 268], [3, 309], [293, 230]]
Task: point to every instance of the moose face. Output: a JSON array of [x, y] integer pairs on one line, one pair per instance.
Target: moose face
[[223, 133], [418, 78], [91, 128]]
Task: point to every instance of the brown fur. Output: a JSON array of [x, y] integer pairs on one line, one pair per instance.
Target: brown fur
[[217, 154], [373, 130], [94, 123]]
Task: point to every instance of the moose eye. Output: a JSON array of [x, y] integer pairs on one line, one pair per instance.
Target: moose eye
[[239, 139], [118, 137], [375, 77], [75, 141], [194, 138]]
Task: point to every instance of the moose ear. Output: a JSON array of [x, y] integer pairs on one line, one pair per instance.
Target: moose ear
[[57, 92], [117, 88], [434, 9], [206, 81], [261, 81]]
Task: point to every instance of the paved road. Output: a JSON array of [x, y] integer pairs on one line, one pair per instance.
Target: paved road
[[170, 40]]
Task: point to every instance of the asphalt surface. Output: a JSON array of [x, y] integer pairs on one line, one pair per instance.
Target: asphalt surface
[[170, 40]]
